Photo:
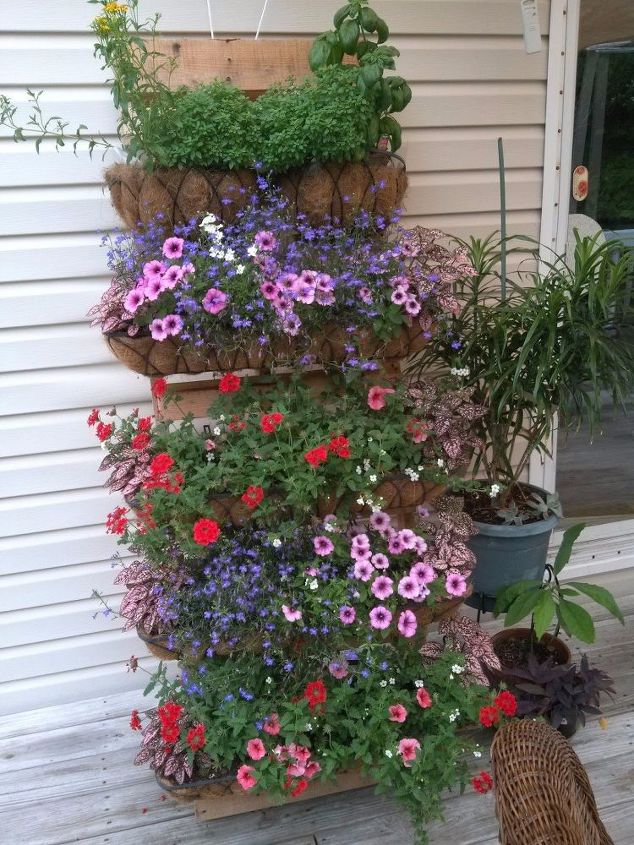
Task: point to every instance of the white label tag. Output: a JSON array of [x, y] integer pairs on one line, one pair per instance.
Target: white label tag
[[530, 22]]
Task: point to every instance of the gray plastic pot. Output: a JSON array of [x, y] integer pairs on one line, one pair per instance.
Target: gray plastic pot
[[506, 554]]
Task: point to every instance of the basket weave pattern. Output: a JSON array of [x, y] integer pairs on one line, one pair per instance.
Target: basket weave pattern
[[543, 795]]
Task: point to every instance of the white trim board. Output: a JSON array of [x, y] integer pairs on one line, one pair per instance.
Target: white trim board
[[599, 549]]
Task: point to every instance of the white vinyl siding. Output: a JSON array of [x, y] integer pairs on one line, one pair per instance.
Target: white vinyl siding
[[472, 82]]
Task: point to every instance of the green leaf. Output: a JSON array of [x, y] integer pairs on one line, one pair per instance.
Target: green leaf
[[369, 19], [349, 35], [370, 74], [340, 15], [565, 549], [576, 621], [522, 606], [318, 55], [601, 596], [382, 31], [508, 594], [543, 613]]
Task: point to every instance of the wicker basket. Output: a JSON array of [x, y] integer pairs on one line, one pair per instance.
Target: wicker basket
[[157, 645], [542, 792], [321, 191], [149, 357]]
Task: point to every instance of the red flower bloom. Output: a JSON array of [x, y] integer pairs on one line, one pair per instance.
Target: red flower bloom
[[145, 423], [252, 497], [104, 430], [340, 446], [159, 386], [135, 722], [161, 463], [237, 424], [317, 455], [229, 383], [301, 786], [489, 716], [93, 417], [196, 737], [170, 733], [206, 532], [482, 783], [315, 692], [116, 521], [423, 698], [140, 440], [269, 422], [170, 712], [506, 702]]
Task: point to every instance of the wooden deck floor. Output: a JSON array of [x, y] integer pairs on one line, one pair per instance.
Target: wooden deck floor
[[66, 775]]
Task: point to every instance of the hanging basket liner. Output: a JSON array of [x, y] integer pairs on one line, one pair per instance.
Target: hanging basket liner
[[329, 191], [214, 787], [157, 645], [149, 357]]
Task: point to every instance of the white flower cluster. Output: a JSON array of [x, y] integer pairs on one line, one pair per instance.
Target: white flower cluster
[[213, 228], [462, 371], [454, 715], [419, 684], [276, 543], [457, 669], [495, 489], [412, 474], [389, 753]]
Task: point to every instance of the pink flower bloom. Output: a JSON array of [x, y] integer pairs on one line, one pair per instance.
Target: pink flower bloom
[[153, 269], [269, 290], [323, 545], [256, 749], [407, 624], [380, 521], [399, 282], [325, 297], [299, 752], [266, 241], [420, 546], [308, 277], [215, 301], [311, 769], [412, 306], [398, 296], [281, 752], [324, 282], [455, 584], [382, 587], [157, 330], [361, 542], [291, 324], [288, 282], [423, 572], [133, 300], [347, 614], [360, 554], [395, 545], [291, 615], [305, 292], [295, 770], [172, 276], [245, 778], [173, 324], [210, 445], [312, 571], [154, 288], [407, 538], [173, 248], [338, 670], [376, 397], [408, 748], [398, 713], [363, 570], [424, 592], [408, 587], [423, 698], [188, 268], [272, 725], [380, 617], [380, 561]]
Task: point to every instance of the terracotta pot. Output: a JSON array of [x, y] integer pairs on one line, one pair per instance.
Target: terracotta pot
[[157, 645], [559, 651]]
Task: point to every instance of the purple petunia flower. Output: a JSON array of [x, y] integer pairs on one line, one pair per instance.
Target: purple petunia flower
[[172, 324], [380, 561], [423, 573], [173, 248], [133, 300], [408, 587], [380, 521], [363, 570], [215, 301], [266, 241], [347, 614], [382, 587], [157, 329], [407, 624], [380, 617], [153, 269], [455, 584], [323, 545]]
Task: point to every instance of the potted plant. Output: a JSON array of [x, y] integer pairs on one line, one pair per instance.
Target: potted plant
[[547, 601], [542, 346], [563, 694]]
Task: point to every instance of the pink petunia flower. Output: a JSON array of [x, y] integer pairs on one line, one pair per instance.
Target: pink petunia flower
[[455, 584], [173, 248], [338, 670], [323, 545], [423, 572], [157, 329], [269, 290], [299, 753], [153, 269], [407, 624], [407, 538], [408, 748], [412, 306], [215, 301], [256, 749], [154, 288], [376, 397], [312, 767], [245, 778], [272, 724], [408, 587], [363, 570], [365, 295], [360, 554], [398, 296], [290, 614], [380, 561], [423, 698], [133, 300], [305, 292], [360, 541], [380, 617], [395, 545], [382, 587], [420, 546], [347, 614], [172, 276], [172, 324], [266, 241], [380, 521], [295, 770], [398, 713]]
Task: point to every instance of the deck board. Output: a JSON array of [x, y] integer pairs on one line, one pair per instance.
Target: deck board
[[66, 776]]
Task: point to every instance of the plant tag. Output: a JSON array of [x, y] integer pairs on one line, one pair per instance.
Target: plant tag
[[530, 23]]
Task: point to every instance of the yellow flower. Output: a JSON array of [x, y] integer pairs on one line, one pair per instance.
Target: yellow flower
[[102, 25], [113, 8]]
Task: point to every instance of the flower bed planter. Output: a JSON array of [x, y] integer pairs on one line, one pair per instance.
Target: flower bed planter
[[330, 191], [149, 357], [157, 644]]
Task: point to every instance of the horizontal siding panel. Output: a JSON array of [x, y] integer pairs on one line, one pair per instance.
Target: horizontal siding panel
[[26, 211], [31, 434], [50, 390], [67, 301], [36, 257], [21, 165], [57, 586], [75, 685], [29, 475], [479, 225], [468, 17], [66, 654], [54, 511], [51, 346], [62, 60], [472, 191], [73, 619], [48, 549]]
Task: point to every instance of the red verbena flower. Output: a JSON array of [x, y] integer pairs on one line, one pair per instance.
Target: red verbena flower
[[170, 733], [269, 422], [196, 737], [145, 423], [301, 786], [93, 417], [229, 383], [506, 702], [161, 463], [140, 440], [315, 693], [117, 521], [170, 712], [252, 497], [482, 783], [340, 446], [159, 386], [237, 424], [317, 455], [489, 716], [135, 721], [206, 532], [104, 430]]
